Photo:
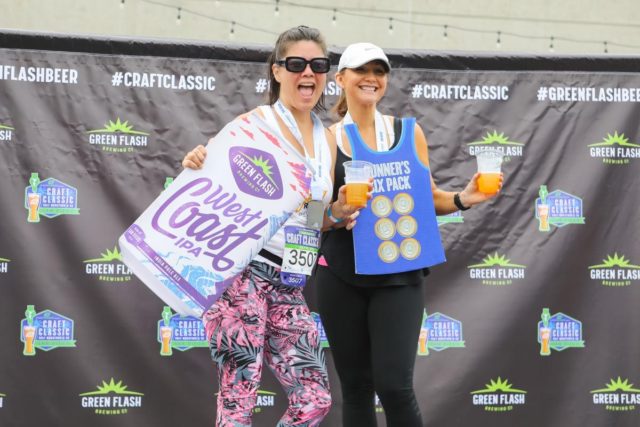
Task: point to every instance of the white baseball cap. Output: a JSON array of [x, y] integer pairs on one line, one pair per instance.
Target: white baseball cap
[[358, 54]]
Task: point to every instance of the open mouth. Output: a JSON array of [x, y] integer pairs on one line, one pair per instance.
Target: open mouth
[[306, 89]]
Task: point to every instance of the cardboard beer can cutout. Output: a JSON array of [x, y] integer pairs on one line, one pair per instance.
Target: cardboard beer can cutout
[[191, 242]]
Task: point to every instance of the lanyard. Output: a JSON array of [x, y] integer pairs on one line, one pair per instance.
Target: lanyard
[[382, 142], [319, 141]]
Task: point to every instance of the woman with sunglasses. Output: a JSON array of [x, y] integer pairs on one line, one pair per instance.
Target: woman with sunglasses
[[373, 321], [264, 312]]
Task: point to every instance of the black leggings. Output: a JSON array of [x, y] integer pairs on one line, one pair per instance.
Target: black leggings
[[373, 336]]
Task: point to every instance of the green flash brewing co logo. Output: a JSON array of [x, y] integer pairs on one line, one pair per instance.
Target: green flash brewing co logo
[[615, 150], [615, 271], [108, 268], [264, 399], [618, 395], [118, 137], [495, 141], [557, 208], [6, 133], [455, 218], [45, 331], [322, 334], [111, 399], [498, 396], [4, 265], [558, 332], [49, 198], [180, 332], [496, 270], [439, 332]]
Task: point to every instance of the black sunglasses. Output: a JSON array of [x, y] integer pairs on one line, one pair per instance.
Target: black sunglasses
[[297, 64]]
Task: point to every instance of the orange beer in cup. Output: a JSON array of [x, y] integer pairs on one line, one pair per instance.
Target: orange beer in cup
[[357, 174], [165, 334], [29, 337], [34, 203], [545, 341], [489, 164], [489, 183]]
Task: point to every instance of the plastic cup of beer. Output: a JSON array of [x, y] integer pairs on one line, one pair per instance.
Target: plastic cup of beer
[[489, 164], [357, 175]]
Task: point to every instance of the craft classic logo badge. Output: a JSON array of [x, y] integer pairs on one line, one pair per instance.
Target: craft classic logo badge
[[557, 208], [180, 332], [49, 198], [439, 332], [617, 396], [498, 396], [46, 331], [118, 137], [322, 334], [111, 399], [558, 332], [615, 271]]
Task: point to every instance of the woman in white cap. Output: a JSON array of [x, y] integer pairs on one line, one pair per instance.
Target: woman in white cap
[[373, 321]]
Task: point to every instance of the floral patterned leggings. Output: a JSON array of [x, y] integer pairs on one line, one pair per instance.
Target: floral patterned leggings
[[257, 318]]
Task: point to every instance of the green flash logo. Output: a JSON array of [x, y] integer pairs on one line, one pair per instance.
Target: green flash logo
[[617, 396], [118, 126], [496, 269], [615, 149], [497, 141], [498, 396], [108, 256], [615, 270], [111, 399], [264, 165]]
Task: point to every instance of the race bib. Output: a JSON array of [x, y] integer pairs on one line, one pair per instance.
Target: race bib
[[300, 254]]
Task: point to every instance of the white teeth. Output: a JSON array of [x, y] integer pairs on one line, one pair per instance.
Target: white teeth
[[369, 88]]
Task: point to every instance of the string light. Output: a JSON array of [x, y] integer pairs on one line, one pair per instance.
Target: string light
[[362, 14], [551, 44], [179, 18], [333, 21], [121, 4], [232, 30]]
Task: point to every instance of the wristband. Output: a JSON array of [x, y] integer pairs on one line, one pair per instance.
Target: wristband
[[331, 217], [458, 203]]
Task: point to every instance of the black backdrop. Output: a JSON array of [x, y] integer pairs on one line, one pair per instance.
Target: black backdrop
[[104, 122]]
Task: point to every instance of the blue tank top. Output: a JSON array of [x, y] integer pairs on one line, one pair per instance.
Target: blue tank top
[[398, 230]]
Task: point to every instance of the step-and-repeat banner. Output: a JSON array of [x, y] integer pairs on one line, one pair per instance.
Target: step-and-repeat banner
[[533, 320]]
